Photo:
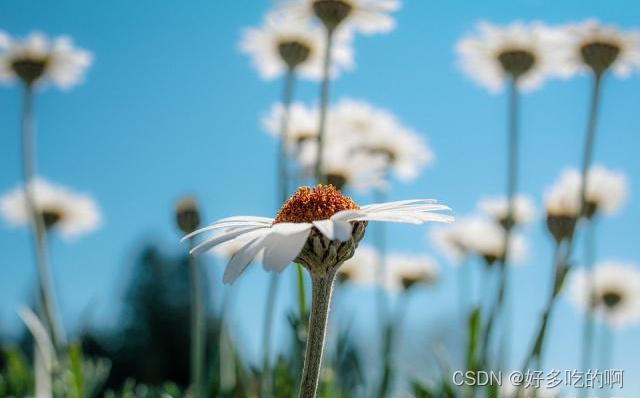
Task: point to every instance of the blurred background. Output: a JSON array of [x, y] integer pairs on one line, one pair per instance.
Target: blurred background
[[171, 107]]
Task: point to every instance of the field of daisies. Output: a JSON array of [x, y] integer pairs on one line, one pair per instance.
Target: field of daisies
[[319, 198]]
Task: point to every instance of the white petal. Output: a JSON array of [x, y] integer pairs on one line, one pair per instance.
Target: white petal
[[242, 258], [389, 205], [287, 228], [225, 237], [334, 229], [280, 249], [231, 223]]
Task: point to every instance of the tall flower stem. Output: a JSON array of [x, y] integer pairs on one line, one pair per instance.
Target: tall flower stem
[[46, 295], [197, 325], [324, 104], [283, 193], [512, 186], [589, 324], [321, 289], [587, 339], [391, 331], [538, 347]]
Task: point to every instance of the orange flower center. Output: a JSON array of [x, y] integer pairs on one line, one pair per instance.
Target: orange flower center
[[312, 204]]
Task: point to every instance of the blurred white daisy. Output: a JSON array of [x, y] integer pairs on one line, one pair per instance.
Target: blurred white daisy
[[403, 271], [495, 53], [342, 167], [363, 16], [73, 214], [450, 241], [498, 209], [486, 238], [302, 124], [378, 131], [615, 292], [361, 269], [606, 192], [283, 42], [591, 45], [317, 227], [37, 58], [511, 391]]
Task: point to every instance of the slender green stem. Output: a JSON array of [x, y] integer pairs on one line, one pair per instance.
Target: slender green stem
[[587, 342], [392, 329], [538, 347], [589, 324], [512, 186], [321, 288], [606, 347], [283, 193], [302, 301], [46, 294], [324, 104], [197, 326]]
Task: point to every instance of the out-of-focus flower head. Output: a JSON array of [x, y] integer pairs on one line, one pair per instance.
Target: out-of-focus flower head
[[37, 59]]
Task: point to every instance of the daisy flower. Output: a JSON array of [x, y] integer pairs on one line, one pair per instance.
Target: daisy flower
[[615, 292], [302, 124], [450, 241], [73, 214], [364, 16], [498, 209], [593, 46], [496, 53], [403, 271], [37, 58], [486, 238], [361, 268], [284, 43], [378, 131], [342, 167], [317, 227]]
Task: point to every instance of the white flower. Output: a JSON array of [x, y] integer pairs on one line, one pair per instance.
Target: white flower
[[498, 208], [509, 390], [486, 238], [495, 53], [343, 167], [606, 192], [302, 124], [361, 269], [592, 45], [37, 58], [450, 240], [402, 271], [322, 210], [377, 130], [73, 214], [364, 16], [615, 290], [284, 42]]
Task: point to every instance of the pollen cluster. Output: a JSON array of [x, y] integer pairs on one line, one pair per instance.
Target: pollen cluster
[[313, 204]]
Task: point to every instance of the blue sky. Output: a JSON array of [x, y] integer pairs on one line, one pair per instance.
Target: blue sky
[[171, 107]]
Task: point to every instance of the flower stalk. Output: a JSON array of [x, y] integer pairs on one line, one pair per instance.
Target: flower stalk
[[324, 104], [512, 186], [197, 325], [46, 297], [321, 290], [283, 193]]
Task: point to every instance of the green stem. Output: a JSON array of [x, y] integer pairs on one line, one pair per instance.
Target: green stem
[[302, 301], [321, 288], [538, 347], [391, 330], [46, 294], [283, 193], [197, 326], [512, 186], [324, 103], [589, 324]]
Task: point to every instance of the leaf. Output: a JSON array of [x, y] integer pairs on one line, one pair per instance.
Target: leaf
[[474, 334]]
